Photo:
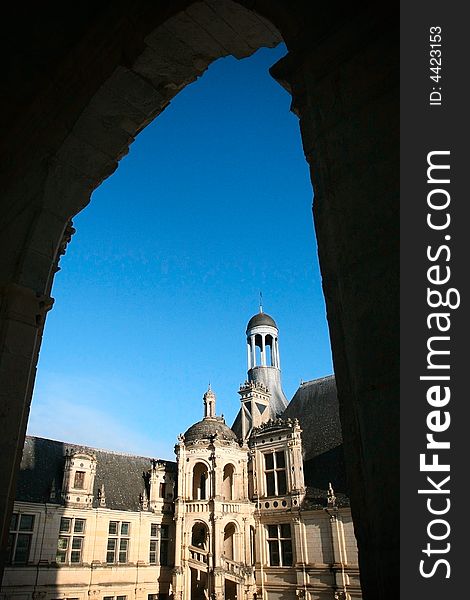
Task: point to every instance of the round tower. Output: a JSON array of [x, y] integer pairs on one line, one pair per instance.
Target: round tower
[[264, 364]]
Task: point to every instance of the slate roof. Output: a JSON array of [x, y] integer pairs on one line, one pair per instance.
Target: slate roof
[[42, 465], [315, 404], [203, 430]]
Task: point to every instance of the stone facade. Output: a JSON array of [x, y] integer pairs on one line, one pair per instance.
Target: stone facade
[[239, 515]]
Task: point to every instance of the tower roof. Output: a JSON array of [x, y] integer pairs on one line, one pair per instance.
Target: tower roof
[[261, 319], [205, 429]]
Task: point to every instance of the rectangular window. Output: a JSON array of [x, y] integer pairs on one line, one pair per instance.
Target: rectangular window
[[19, 539], [159, 541], [153, 552], [70, 545], [117, 549], [280, 545], [275, 473], [79, 480]]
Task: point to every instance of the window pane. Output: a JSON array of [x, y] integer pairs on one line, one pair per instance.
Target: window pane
[[285, 530], [77, 543], [281, 482], [280, 460], [125, 528], [109, 557], [153, 558], [22, 548], [65, 525], [60, 556], [272, 531], [79, 526], [111, 543], [113, 527], [153, 545], [268, 461], [286, 548], [122, 557], [27, 523], [270, 489], [121, 597], [123, 544], [274, 553], [62, 543], [79, 480], [153, 530], [75, 556], [14, 522]]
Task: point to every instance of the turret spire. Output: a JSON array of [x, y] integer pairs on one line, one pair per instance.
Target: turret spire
[[209, 404]]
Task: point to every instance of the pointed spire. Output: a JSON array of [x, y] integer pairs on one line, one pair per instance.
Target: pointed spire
[[52, 491], [261, 302], [102, 496], [331, 496], [144, 500], [209, 403]]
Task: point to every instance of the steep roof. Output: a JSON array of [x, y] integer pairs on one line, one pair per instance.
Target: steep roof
[[315, 404], [123, 475]]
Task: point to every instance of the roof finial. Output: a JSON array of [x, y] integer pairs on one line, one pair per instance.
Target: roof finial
[[261, 302], [209, 404]]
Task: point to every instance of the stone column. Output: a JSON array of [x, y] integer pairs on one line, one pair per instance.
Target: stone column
[[253, 352], [339, 551], [345, 89], [263, 350]]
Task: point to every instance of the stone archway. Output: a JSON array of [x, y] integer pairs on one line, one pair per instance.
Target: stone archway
[[109, 74]]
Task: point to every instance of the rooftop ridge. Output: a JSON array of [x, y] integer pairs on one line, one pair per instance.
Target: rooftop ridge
[[115, 452], [310, 381]]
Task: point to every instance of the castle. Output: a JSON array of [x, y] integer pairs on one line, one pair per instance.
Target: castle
[[256, 511]]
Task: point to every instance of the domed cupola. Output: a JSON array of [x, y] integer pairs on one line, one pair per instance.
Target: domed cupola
[[262, 396], [211, 425], [264, 364]]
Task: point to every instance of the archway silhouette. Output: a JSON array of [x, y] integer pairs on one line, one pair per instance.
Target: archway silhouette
[[70, 134]]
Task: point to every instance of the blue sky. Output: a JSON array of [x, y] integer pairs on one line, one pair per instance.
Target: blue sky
[[211, 205]]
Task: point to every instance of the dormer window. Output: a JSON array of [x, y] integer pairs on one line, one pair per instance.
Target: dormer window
[[79, 480]]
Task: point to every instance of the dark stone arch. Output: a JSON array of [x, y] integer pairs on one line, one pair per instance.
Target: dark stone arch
[[106, 76]]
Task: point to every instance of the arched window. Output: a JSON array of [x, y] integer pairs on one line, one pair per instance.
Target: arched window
[[252, 545], [228, 483], [200, 482], [199, 536], [229, 538]]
